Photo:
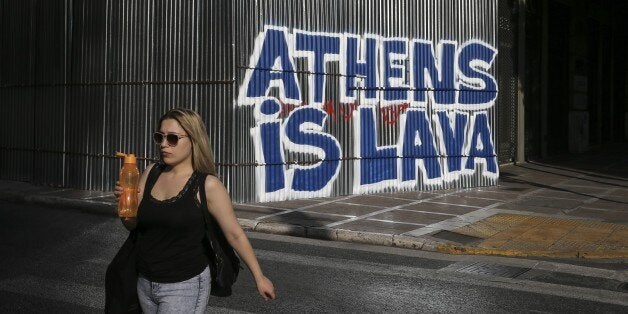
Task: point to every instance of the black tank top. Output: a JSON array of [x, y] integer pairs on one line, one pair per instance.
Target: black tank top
[[171, 232]]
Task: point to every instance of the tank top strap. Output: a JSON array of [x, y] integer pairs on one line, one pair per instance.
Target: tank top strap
[[154, 173]]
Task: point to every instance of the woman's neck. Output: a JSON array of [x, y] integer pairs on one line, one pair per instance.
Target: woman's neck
[[184, 169]]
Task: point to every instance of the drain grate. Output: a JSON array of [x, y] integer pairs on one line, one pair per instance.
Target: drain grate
[[493, 270], [457, 237]]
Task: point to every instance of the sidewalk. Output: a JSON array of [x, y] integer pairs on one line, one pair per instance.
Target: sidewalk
[[564, 208]]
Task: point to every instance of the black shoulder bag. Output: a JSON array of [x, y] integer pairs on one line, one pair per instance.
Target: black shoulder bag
[[223, 262], [121, 280], [121, 276]]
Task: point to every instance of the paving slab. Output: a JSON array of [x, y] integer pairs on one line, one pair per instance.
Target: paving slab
[[531, 208], [376, 200], [411, 216], [293, 204], [462, 200], [604, 215], [246, 211], [343, 209], [496, 195], [381, 227], [305, 219], [417, 195], [539, 201], [445, 209], [607, 204]]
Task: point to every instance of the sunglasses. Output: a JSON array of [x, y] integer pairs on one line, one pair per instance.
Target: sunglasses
[[172, 139]]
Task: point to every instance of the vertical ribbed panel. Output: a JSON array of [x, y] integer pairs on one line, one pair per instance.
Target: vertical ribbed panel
[[87, 78], [16, 105]]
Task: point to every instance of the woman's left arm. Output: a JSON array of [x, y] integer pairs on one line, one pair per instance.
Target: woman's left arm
[[219, 205]]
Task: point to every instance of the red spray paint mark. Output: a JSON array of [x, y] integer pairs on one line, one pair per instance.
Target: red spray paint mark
[[391, 114]]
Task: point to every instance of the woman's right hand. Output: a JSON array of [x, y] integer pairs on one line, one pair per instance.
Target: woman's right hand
[[129, 222], [265, 288], [117, 191]]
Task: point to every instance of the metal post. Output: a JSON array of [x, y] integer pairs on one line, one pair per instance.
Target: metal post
[[520, 155], [544, 80], [612, 73], [600, 83]]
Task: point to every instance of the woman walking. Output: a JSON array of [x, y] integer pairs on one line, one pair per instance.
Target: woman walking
[[172, 253]]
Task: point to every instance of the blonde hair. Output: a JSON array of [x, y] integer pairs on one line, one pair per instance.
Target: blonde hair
[[191, 122]]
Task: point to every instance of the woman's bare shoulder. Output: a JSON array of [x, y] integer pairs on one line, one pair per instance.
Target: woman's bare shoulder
[[212, 182], [213, 186], [150, 166], [148, 169]]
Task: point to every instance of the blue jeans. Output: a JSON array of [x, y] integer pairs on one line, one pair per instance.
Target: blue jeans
[[188, 296]]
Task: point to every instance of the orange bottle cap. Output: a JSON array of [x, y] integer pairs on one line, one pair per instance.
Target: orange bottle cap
[[128, 158]]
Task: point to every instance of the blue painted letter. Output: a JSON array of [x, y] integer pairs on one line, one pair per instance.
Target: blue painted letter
[[476, 86], [453, 139], [418, 143], [366, 68], [320, 46], [376, 164], [274, 48], [484, 149], [440, 78], [394, 70], [315, 178]]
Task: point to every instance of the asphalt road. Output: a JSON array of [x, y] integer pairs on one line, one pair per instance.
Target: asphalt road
[[54, 260]]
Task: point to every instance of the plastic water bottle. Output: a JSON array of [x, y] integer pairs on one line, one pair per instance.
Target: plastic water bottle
[[129, 180]]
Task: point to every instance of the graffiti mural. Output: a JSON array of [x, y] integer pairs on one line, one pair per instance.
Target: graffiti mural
[[436, 95]]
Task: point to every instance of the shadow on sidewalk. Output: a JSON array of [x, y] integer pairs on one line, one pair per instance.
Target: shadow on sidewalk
[[555, 188], [602, 169], [607, 162]]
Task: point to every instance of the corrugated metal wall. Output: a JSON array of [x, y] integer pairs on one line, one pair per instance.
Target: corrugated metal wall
[[87, 78], [429, 20]]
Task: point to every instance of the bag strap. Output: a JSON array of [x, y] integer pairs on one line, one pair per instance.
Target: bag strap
[[201, 190], [210, 221]]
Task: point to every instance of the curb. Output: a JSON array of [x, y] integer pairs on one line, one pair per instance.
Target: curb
[[344, 235], [465, 250]]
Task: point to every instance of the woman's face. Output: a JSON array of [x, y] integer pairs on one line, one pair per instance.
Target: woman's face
[[180, 153]]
